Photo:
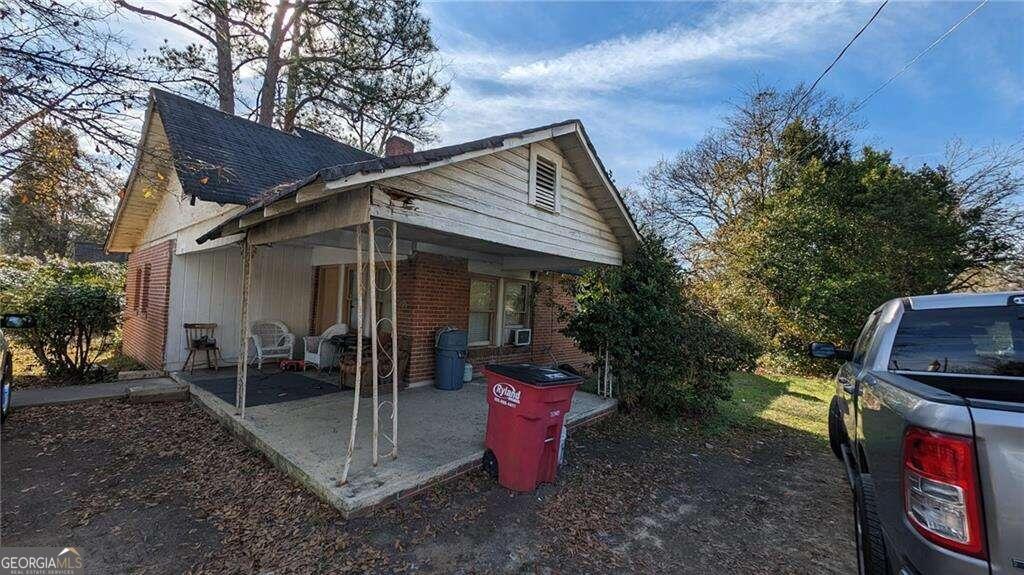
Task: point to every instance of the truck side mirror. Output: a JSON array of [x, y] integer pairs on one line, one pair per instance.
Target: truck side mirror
[[823, 350], [16, 321]]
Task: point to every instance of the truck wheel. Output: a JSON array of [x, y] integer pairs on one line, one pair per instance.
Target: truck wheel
[[836, 434], [491, 464], [871, 554]]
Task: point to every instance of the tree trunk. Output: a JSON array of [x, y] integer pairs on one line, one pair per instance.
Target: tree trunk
[[294, 70], [268, 92], [225, 65]]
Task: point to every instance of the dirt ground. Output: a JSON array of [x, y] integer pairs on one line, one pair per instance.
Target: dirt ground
[[162, 488]]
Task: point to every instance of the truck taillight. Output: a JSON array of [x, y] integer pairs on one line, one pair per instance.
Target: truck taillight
[[941, 491]]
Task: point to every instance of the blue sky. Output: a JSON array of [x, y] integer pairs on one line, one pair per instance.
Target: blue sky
[[649, 79]]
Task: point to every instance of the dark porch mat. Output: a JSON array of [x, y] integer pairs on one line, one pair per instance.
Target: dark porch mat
[[267, 389]]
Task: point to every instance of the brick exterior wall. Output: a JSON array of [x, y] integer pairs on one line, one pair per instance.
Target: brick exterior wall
[[548, 341], [147, 297], [433, 291]]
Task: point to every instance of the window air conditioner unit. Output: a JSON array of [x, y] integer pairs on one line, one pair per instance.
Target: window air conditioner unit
[[522, 336]]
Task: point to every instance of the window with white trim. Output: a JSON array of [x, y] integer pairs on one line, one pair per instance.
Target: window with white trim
[[516, 308], [545, 179], [483, 299]]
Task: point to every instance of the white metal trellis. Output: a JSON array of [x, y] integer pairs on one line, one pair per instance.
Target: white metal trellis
[[372, 249], [390, 264], [387, 252]]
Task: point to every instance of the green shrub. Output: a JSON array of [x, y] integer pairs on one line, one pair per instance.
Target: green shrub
[[669, 355], [77, 307]]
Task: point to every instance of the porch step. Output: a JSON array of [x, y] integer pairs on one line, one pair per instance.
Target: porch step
[[141, 374], [151, 394], [71, 394]]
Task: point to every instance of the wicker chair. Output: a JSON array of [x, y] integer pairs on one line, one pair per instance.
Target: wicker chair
[[272, 340], [319, 350]]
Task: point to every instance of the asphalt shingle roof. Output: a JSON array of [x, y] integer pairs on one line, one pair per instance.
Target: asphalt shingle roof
[[230, 160], [379, 165]]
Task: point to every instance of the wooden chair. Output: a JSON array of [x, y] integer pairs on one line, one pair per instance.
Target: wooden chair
[[200, 338]]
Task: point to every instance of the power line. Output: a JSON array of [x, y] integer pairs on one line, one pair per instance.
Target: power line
[[922, 53], [899, 73], [840, 55]]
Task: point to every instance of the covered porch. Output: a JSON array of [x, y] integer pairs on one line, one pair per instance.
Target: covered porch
[[456, 237], [305, 433]]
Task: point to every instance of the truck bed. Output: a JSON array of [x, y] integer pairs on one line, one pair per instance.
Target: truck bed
[[971, 387]]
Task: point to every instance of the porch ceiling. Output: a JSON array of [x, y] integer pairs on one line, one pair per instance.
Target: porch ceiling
[[419, 239]]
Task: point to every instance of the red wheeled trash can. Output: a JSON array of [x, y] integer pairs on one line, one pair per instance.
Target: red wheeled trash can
[[526, 411]]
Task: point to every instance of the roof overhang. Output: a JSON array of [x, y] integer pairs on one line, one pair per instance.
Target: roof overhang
[[111, 244], [318, 187], [148, 179]]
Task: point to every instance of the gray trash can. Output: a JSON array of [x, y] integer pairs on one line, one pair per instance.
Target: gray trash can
[[450, 348]]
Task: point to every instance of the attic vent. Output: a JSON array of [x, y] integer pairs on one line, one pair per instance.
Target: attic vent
[[545, 179]]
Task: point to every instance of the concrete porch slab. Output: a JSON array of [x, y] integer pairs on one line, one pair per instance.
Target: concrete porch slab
[[441, 435]]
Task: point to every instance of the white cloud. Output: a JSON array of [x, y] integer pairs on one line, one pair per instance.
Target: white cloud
[[612, 84], [724, 37]]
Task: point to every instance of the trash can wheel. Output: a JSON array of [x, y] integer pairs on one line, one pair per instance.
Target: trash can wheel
[[491, 464]]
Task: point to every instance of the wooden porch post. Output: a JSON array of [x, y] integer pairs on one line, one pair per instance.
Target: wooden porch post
[[359, 355], [243, 354]]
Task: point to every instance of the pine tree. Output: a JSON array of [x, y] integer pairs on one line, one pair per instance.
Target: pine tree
[[55, 197]]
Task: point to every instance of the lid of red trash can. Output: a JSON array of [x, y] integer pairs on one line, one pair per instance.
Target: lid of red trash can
[[535, 374]]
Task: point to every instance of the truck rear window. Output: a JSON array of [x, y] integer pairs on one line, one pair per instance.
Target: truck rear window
[[969, 341]]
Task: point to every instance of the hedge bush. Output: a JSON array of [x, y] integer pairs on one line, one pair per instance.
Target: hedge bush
[[669, 355], [77, 307]]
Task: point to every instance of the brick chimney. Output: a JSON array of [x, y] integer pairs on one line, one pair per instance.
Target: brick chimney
[[396, 146]]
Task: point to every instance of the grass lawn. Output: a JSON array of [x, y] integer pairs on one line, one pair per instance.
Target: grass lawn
[[796, 402], [28, 372]]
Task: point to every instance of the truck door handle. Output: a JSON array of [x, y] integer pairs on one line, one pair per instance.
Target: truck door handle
[[850, 387]]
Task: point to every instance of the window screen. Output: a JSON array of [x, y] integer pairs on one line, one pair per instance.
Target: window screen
[[516, 310], [483, 294], [976, 341], [145, 288], [137, 300], [516, 307]]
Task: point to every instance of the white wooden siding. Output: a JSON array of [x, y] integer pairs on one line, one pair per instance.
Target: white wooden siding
[[488, 197], [206, 287]]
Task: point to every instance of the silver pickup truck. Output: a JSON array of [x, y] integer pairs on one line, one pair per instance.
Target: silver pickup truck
[[928, 417]]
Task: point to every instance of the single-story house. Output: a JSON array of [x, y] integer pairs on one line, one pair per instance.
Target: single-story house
[[232, 223], [485, 228]]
